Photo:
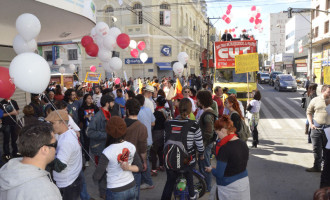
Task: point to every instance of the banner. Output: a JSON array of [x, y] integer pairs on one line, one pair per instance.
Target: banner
[[225, 52], [326, 76], [246, 63], [167, 17], [92, 77]]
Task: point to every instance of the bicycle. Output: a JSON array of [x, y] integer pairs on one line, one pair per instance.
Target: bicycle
[[181, 189]]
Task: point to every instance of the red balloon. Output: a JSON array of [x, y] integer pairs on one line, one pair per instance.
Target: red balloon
[[234, 35], [134, 53], [141, 45], [86, 40], [240, 52], [257, 21], [224, 17], [228, 12], [253, 8], [252, 20], [92, 49], [228, 20], [260, 21], [258, 15], [233, 30], [7, 87], [229, 7], [123, 40]]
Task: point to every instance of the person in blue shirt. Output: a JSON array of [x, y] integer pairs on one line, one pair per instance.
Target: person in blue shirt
[[121, 101]]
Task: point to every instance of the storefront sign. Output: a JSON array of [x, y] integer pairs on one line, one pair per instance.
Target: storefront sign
[[302, 67], [166, 50], [225, 52], [131, 61]]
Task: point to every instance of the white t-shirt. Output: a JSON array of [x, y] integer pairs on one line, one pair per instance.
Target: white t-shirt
[[148, 104], [255, 106], [97, 99], [68, 151], [72, 125], [193, 109], [116, 176]]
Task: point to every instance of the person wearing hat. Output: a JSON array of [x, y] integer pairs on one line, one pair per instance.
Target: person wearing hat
[[232, 92], [148, 95], [244, 36], [226, 36], [118, 161], [69, 153]]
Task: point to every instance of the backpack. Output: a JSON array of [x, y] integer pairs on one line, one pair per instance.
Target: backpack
[[175, 148], [244, 133], [201, 122]]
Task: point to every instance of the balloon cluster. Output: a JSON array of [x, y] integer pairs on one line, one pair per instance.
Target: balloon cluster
[[226, 17], [179, 66], [255, 18], [134, 50], [29, 71]]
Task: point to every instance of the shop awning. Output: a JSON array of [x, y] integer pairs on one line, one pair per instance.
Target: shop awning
[[164, 65]]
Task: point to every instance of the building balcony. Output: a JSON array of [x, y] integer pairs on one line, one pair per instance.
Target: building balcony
[[138, 29], [186, 34]]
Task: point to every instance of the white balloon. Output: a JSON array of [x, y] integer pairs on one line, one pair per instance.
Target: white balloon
[[115, 63], [183, 58], [104, 55], [93, 33], [109, 42], [28, 26], [178, 68], [106, 67], [143, 57], [72, 67], [59, 61], [99, 42], [22, 46], [30, 72], [132, 44], [114, 32], [102, 29], [61, 70]]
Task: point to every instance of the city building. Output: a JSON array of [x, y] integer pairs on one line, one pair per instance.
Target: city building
[[167, 28], [321, 44]]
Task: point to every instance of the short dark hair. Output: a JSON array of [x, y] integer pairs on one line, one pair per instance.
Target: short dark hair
[[130, 94], [161, 92], [185, 107], [119, 90], [80, 93], [205, 98], [204, 85], [161, 101], [106, 91], [68, 94], [133, 106], [216, 89], [257, 95], [59, 105], [106, 99], [32, 137], [225, 90], [28, 110], [140, 98]]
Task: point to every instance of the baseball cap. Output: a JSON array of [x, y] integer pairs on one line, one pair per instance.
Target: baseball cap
[[232, 91], [178, 96], [55, 116]]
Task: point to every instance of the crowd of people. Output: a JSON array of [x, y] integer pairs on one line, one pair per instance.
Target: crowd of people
[[127, 130]]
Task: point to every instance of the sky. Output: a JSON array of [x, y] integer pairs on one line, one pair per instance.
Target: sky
[[241, 13]]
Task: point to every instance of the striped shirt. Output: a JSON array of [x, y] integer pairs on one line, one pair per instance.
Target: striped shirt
[[194, 137]]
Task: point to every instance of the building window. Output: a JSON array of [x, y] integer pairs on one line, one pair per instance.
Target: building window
[[72, 54], [289, 35], [317, 11], [316, 34], [138, 16], [326, 27], [163, 7], [48, 55], [109, 9]]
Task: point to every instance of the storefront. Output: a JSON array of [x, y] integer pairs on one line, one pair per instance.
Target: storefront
[[301, 68], [68, 76], [164, 69]]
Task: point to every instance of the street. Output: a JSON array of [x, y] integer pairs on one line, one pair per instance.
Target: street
[[277, 167]]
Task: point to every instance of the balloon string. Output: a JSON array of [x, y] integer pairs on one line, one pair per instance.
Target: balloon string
[[11, 116], [55, 109]]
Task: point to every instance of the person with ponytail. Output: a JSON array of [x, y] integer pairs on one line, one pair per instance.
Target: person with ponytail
[[232, 155], [235, 113]]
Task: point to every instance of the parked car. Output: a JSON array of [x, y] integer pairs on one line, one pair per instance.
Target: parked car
[[264, 78], [272, 77], [285, 82]]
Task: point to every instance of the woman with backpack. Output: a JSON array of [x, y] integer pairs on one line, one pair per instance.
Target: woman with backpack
[[235, 113], [186, 132], [253, 116], [158, 135], [232, 155]]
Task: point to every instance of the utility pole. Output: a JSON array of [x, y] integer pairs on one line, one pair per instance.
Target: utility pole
[[208, 43]]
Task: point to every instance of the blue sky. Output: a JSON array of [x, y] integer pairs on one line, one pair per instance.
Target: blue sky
[[241, 12]]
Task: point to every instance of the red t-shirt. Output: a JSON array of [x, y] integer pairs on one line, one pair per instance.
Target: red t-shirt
[[220, 104]]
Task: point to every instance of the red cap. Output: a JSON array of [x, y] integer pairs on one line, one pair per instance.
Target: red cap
[[178, 96]]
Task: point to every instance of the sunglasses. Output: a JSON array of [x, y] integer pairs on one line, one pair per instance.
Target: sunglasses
[[52, 145], [186, 91]]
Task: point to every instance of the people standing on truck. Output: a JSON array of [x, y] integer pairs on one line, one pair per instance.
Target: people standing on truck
[[226, 36]]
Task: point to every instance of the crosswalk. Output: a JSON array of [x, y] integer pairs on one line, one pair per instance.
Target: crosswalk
[[282, 113]]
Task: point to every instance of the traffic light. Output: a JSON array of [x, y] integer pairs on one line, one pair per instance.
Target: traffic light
[[289, 12]]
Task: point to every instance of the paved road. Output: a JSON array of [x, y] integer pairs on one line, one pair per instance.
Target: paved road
[[277, 168]]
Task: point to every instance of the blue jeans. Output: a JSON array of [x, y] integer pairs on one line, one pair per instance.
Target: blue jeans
[[83, 193], [146, 176], [206, 163], [129, 194], [137, 178]]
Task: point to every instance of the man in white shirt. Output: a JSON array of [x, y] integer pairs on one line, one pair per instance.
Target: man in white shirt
[[186, 94], [147, 95], [68, 156], [97, 96]]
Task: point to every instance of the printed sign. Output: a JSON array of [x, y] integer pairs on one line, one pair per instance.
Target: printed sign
[[326, 75], [130, 61], [225, 52], [167, 17], [92, 77], [166, 50], [246, 63]]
